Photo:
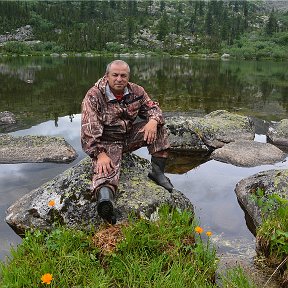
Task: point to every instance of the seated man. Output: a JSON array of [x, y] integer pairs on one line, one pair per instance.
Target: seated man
[[109, 129]]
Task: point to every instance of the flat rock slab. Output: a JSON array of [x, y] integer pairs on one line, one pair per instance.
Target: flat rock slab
[[270, 182], [67, 198], [247, 153], [35, 149]]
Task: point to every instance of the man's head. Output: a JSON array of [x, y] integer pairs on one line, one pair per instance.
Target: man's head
[[117, 73]]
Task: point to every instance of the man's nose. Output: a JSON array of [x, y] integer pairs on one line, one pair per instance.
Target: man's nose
[[119, 78]]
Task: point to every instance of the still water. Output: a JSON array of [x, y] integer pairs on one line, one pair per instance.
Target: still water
[[45, 94]]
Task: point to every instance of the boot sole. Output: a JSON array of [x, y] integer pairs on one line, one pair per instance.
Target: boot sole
[[106, 211]]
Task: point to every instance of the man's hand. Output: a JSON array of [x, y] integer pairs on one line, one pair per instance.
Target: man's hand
[[150, 131], [104, 164]]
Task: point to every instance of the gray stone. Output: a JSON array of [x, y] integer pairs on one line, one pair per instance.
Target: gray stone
[[248, 153], [35, 149], [221, 127], [23, 33], [209, 132], [7, 118], [278, 133], [182, 135], [74, 207], [270, 182]]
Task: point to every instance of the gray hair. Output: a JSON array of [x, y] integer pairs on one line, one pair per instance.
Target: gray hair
[[119, 62]]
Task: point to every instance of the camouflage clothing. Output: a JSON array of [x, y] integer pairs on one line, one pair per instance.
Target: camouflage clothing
[[110, 126]]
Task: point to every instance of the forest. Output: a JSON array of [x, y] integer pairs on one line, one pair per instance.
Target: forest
[[246, 29]]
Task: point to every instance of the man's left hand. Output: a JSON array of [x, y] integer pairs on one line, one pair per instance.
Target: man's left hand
[[150, 131]]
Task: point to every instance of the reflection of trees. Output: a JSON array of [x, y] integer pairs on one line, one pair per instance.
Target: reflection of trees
[[178, 84]]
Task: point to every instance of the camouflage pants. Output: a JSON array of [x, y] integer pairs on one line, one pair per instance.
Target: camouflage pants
[[133, 140]]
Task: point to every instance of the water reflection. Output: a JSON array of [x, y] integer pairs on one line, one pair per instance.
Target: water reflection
[[43, 88], [50, 105]]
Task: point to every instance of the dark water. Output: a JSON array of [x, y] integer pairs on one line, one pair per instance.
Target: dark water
[[45, 93]]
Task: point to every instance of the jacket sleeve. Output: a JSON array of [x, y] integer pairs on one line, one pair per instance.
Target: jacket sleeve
[[150, 109], [91, 126]]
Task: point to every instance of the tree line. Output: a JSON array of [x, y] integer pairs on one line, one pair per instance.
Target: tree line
[[122, 26]]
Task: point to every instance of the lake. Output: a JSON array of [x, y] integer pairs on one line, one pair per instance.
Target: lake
[[45, 93]]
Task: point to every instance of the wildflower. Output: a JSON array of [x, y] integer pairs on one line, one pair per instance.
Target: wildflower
[[46, 278], [198, 229], [209, 233], [51, 203]]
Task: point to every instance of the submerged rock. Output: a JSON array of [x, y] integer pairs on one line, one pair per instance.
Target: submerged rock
[[67, 198], [269, 182], [248, 153], [35, 149]]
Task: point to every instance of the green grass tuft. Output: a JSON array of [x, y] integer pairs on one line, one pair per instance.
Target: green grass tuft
[[164, 253]]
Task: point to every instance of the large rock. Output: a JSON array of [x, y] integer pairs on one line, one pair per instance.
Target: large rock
[[24, 149], [278, 133], [221, 127], [248, 153], [270, 182], [183, 135], [209, 132], [67, 198]]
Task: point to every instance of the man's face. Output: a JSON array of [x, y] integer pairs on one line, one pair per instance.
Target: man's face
[[118, 77]]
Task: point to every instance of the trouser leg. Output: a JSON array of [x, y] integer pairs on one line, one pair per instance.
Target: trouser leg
[[135, 140], [114, 151]]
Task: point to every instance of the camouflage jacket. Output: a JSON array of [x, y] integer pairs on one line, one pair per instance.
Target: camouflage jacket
[[105, 119]]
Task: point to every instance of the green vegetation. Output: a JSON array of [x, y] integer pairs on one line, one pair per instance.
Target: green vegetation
[[245, 29], [272, 235], [170, 252]]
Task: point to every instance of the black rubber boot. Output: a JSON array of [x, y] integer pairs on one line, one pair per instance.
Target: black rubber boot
[[157, 173], [105, 207]]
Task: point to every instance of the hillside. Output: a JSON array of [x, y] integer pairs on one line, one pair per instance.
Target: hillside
[[175, 27]]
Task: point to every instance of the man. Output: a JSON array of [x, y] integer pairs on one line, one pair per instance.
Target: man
[[108, 130]]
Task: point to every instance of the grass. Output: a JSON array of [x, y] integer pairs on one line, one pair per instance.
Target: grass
[[165, 253], [235, 278], [272, 235]]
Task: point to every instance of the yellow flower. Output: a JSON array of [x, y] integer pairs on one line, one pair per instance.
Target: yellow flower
[[51, 203], [209, 233], [46, 278], [198, 229]]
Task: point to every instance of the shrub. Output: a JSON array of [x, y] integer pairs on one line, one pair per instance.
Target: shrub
[[15, 47]]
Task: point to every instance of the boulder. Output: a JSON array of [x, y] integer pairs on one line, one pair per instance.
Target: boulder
[[225, 56], [67, 198], [221, 127], [7, 121], [209, 132], [35, 149], [248, 153], [182, 134], [278, 133], [270, 182], [7, 118]]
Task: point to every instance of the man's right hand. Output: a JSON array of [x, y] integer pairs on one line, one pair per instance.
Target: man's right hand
[[104, 164]]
